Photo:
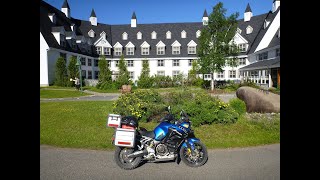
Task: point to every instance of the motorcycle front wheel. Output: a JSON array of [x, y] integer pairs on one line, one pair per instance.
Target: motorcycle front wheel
[[199, 157], [120, 156]]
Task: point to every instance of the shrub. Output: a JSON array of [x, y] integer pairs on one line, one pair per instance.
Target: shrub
[[238, 105]]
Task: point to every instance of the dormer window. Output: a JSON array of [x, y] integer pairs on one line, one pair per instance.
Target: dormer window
[[98, 49], [139, 35], [118, 51], [168, 35], [176, 47], [153, 35], [183, 34], [124, 36], [106, 51], [266, 23], [239, 30], [192, 47], [198, 33], [91, 33], [242, 47], [160, 48], [103, 34], [249, 30]]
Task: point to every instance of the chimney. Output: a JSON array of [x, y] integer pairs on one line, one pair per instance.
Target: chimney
[[247, 13], [134, 20], [93, 18], [275, 5], [205, 18], [66, 9], [52, 17]]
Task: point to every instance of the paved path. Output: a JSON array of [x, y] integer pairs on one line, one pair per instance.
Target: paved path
[[225, 97], [261, 162]]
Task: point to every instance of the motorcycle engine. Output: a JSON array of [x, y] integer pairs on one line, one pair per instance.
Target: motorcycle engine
[[161, 150]]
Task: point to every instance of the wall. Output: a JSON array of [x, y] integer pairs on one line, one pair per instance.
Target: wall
[[44, 81]]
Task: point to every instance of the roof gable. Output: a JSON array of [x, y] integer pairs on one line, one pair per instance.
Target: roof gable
[[145, 44], [192, 43], [176, 43], [130, 45], [160, 44], [117, 45]]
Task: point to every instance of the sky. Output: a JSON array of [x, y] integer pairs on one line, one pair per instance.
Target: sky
[[156, 11]]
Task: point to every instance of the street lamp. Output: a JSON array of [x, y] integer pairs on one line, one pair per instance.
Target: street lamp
[[79, 65]]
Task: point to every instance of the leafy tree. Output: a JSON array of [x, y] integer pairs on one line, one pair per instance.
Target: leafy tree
[[61, 72], [105, 73], [192, 76], [123, 78], [73, 69], [216, 46], [145, 81]]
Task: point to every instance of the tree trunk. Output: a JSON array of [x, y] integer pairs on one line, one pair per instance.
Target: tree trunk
[[212, 82]]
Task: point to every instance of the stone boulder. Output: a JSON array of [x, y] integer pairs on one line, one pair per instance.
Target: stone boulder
[[260, 101]]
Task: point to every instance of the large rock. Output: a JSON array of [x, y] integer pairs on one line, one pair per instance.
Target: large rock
[[257, 100]]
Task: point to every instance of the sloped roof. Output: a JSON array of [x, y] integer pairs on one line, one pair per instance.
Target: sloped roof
[[264, 64]]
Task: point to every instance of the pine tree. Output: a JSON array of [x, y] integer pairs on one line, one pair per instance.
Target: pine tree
[[73, 70], [105, 73], [61, 72], [123, 78], [145, 81]]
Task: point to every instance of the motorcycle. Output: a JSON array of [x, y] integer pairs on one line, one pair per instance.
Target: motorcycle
[[172, 139]]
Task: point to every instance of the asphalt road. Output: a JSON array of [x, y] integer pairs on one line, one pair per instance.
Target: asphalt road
[[261, 162]]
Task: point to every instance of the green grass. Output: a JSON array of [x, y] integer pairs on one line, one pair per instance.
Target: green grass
[[90, 88], [83, 125], [57, 87], [45, 93]]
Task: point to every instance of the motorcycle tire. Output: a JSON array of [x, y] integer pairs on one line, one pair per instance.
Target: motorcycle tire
[[187, 160], [123, 162]]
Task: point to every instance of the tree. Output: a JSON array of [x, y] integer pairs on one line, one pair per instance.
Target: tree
[[73, 69], [123, 78], [61, 72], [192, 76], [145, 81], [105, 73], [216, 46]]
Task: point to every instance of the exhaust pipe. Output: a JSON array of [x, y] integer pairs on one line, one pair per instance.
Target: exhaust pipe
[[138, 153]]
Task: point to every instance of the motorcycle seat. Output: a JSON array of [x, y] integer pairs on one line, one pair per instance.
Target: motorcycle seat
[[149, 134]]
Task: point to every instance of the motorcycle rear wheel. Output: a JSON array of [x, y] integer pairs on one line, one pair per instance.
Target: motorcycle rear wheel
[[200, 157], [124, 162]]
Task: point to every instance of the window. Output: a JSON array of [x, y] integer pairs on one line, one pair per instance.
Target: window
[[153, 35], [139, 35], [160, 63], [117, 63], [62, 40], [89, 62], [207, 76], [91, 33], [242, 61], [118, 51], [249, 30], [96, 63], [63, 55], [242, 47], [205, 22], [83, 74], [190, 62], [130, 63], [106, 51], [98, 48], [144, 51], [160, 73], [89, 74], [183, 34], [96, 74], [232, 74], [83, 61], [176, 63], [131, 75], [263, 56], [176, 50], [160, 50], [220, 74], [108, 63], [168, 35], [198, 33], [130, 51], [277, 52], [175, 73], [191, 50], [124, 36]]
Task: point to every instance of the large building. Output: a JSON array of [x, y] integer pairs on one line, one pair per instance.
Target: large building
[[170, 48]]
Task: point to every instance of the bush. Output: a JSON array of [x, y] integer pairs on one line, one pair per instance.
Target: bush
[[238, 105]]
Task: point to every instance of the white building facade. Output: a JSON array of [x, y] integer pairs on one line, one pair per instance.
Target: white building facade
[[170, 48]]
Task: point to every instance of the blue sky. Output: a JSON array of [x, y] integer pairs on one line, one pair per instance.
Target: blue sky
[[156, 11]]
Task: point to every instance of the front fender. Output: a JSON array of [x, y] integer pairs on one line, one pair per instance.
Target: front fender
[[190, 141]]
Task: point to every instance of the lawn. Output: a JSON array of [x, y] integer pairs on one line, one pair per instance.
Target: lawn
[[83, 125], [60, 93]]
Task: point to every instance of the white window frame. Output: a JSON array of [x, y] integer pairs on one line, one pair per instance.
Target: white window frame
[[130, 50], [99, 50], [131, 75], [161, 63], [106, 51], [249, 29], [175, 49], [153, 35], [145, 50], [190, 51], [130, 63], [176, 63], [161, 50], [175, 73], [190, 62], [242, 61], [118, 51], [139, 35], [161, 73], [124, 36], [116, 62], [232, 73], [168, 35], [220, 74], [242, 47], [183, 34]]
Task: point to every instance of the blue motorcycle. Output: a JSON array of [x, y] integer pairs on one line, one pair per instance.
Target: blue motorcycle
[[171, 140]]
